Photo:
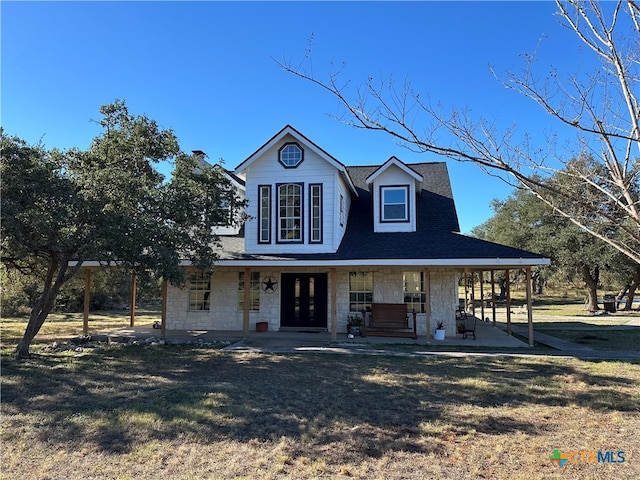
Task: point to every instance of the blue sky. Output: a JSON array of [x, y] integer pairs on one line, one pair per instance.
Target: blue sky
[[207, 70]]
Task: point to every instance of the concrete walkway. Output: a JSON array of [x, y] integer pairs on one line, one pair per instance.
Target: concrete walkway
[[487, 336], [490, 341]]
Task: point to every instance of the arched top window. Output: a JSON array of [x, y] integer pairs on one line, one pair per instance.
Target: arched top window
[[290, 212]]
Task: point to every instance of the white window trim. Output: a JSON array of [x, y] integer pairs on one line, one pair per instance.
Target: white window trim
[[358, 289], [405, 189]]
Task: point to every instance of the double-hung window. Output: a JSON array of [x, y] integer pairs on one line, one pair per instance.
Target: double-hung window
[[290, 213], [360, 291], [264, 214], [415, 296], [199, 291], [315, 213], [394, 204]]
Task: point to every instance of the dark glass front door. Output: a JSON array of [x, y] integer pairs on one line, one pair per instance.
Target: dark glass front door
[[303, 300]]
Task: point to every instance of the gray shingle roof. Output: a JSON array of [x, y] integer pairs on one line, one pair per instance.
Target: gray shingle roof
[[437, 235]]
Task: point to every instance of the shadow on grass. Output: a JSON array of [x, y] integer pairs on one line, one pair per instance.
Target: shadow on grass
[[369, 405], [621, 339]]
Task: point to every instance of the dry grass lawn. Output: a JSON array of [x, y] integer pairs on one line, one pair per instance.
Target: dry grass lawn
[[619, 340], [69, 325], [187, 413]]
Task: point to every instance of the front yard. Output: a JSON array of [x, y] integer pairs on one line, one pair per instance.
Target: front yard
[[192, 413]]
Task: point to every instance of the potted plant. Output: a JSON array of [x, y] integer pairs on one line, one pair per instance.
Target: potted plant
[[354, 322], [440, 331], [262, 326]]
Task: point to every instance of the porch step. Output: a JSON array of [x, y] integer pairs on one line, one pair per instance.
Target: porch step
[[391, 325]]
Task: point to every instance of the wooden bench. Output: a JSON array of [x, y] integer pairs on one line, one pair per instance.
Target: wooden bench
[[388, 320]]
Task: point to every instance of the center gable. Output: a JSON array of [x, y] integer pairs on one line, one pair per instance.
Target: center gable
[[298, 196], [294, 152]]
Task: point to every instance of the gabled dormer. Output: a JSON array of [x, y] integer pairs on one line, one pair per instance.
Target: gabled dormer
[[299, 196], [394, 187]]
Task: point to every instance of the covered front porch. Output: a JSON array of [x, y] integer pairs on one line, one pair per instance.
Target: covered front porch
[[487, 334], [486, 337]]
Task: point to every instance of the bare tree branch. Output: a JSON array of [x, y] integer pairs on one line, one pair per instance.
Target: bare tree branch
[[602, 108]]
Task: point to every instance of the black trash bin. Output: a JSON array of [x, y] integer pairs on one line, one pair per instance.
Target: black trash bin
[[609, 302]]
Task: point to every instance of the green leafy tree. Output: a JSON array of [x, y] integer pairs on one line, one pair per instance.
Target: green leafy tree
[[108, 203], [517, 222], [523, 221]]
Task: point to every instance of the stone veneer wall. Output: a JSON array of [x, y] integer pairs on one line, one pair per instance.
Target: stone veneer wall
[[223, 313], [444, 300], [388, 288], [387, 284]]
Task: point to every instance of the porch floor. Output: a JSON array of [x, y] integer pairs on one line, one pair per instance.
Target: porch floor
[[486, 336]]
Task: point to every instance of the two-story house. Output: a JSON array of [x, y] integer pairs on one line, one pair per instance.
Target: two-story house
[[324, 240]]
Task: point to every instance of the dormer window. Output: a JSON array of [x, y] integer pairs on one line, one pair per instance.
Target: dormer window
[[394, 186], [290, 155], [394, 206]]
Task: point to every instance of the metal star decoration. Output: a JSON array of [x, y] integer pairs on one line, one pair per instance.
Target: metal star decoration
[[269, 284]]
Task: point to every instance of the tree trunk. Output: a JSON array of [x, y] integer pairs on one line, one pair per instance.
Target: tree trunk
[[502, 283], [592, 286], [630, 296], [537, 283], [635, 281], [36, 320], [56, 277], [621, 295]]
